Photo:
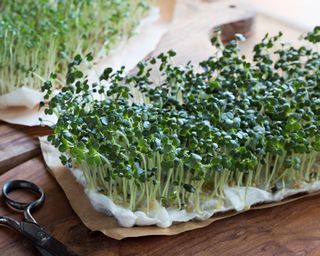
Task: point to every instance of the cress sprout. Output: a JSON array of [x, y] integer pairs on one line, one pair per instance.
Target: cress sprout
[[180, 140], [37, 37]]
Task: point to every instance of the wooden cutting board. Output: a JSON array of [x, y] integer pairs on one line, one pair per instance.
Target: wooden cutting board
[[195, 21], [292, 229]]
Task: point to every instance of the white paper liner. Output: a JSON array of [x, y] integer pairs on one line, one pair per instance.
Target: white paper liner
[[236, 198], [21, 106], [22, 97]]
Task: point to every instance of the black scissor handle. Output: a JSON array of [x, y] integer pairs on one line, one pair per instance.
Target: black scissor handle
[[10, 186], [45, 243]]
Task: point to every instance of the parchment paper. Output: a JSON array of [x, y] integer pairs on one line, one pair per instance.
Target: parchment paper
[[96, 221], [21, 106]]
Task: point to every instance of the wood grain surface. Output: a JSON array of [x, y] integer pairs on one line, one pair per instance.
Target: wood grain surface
[[18, 144], [292, 229], [288, 230]]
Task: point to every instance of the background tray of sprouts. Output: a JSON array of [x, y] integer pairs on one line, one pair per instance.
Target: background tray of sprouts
[[223, 136], [39, 37]]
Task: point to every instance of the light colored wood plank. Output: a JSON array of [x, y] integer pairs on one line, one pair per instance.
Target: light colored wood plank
[[303, 14], [193, 26]]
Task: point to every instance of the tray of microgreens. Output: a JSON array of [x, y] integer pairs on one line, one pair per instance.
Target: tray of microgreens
[[224, 135], [37, 37]]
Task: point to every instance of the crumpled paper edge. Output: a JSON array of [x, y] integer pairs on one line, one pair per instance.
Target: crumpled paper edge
[[236, 198], [25, 110], [96, 221]]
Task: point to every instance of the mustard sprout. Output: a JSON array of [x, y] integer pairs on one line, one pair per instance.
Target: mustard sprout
[[38, 37], [233, 123]]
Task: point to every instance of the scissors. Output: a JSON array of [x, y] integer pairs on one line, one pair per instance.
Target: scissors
[[45, 243]]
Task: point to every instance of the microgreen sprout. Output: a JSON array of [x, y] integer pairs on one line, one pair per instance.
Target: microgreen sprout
[[38, 37], [233, 123]]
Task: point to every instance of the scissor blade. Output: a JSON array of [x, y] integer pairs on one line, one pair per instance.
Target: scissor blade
[[56, 248], [46, 244], [44, 252], [10, 223]]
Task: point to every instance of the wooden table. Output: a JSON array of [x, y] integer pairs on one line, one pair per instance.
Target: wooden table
[[292, 229]]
